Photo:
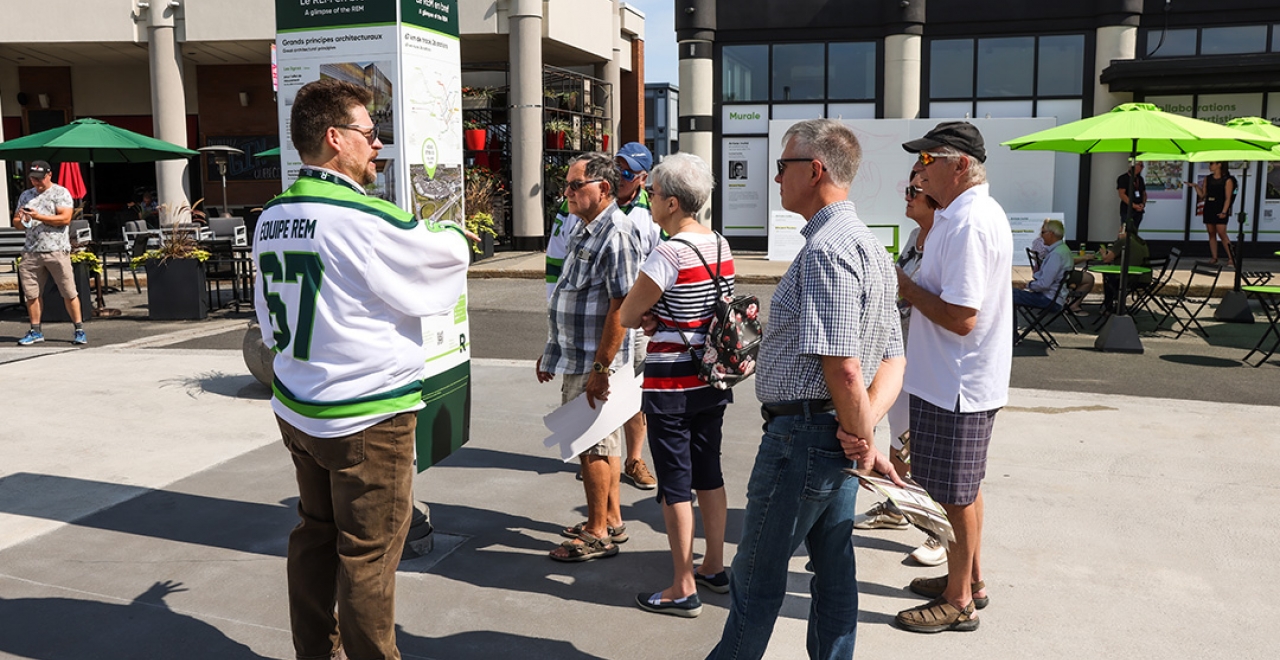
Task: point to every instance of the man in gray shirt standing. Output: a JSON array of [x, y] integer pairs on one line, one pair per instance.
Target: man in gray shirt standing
[[45, 211], [831, 359]]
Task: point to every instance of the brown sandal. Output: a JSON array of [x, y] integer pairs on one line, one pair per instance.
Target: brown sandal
[[616, 534], [934, 586], [937, 615], [590, 548]]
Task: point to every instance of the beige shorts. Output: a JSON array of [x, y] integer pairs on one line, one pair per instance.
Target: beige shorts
[[575, 384], [639, 351], [36, 269]]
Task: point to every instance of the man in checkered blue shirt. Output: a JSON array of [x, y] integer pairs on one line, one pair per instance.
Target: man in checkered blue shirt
[[832, 359], [586, 341]]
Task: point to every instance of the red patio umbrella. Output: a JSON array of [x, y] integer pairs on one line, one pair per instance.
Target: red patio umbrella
[[69, 178]]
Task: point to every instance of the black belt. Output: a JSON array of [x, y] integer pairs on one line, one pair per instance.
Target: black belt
[[813, 406]]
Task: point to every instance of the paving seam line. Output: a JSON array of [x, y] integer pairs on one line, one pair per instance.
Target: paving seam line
[[179, 336]]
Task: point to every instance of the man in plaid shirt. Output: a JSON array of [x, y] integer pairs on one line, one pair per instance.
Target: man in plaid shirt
[[831, 359], [586, 342]]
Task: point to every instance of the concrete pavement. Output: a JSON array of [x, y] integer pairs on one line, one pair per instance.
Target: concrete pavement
[[145, 503]]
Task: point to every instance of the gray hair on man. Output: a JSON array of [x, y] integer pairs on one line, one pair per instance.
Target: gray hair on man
[[977, 172], [1056, 227], [685, 177], [600, 166], [830, 142]]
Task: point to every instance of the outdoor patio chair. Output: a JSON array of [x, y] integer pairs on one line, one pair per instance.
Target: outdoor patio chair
[[220, 267], [137, 229], [232, 228], [80, 232], [1180, 304], [1145, 295], [1038, 319]]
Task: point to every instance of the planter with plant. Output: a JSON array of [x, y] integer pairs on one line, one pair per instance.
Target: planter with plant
[[175, 277], [477, 97], [475, 133], [557, 129], [481, 190]]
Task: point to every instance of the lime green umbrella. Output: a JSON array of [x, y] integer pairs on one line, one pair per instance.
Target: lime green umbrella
[[269, 153], [1234, 306], [1135, 128]]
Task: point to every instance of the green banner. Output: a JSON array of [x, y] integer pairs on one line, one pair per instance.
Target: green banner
[[313, 14], [438, 15]]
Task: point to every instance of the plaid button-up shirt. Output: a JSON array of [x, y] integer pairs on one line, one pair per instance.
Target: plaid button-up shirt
[[602, 263], [838, 298]]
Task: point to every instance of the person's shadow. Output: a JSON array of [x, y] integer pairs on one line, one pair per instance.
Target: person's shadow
[[487, 644], [70, 629]]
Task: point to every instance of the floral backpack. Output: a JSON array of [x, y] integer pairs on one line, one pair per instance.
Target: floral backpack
[[733, 336]]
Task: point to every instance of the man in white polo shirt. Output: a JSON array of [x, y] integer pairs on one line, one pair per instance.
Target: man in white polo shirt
[[958, 359]]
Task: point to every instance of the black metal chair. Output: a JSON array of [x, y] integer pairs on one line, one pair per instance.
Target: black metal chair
[[221, 267], [1038, 319], [1145, 296], [1182, 302]]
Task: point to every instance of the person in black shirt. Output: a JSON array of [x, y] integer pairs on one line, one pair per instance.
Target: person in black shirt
[[1219, 193], [1139, 194]]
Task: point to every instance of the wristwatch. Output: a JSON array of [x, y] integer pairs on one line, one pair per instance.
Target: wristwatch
[[600, 368]]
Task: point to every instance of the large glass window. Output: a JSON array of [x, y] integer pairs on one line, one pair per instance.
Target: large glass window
[[851, 71], [1061, 65], [1177, 43], [745, 73], [1232, 40], [951, 68], [1006, 67], [798, 72]]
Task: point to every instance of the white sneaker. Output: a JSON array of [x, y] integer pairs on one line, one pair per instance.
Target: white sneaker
[[881, 516], [932, 553]]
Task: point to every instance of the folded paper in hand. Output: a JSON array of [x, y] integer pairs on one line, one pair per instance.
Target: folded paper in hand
[[914, 503], [576, 427]]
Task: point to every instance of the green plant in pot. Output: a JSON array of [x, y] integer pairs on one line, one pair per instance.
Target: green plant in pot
[[557, 129], [481, 188]]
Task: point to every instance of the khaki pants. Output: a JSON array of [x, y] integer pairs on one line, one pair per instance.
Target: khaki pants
[[355, 502]]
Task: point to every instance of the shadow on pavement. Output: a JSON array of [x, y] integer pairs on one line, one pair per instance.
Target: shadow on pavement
[[62, 628], [487, 644], [1202, 361]]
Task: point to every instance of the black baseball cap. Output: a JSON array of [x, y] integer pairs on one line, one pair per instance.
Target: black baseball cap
[[959, 134], [38, 169]]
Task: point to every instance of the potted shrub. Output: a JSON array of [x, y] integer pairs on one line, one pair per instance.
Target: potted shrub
[[557, 129], [480, 190], [604, 137], [477, 97], [475, 134], [175, 278]]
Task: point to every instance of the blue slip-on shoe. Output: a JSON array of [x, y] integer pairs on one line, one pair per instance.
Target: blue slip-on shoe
[[718, 583], [80, 338], [32, 337], [687, 607]]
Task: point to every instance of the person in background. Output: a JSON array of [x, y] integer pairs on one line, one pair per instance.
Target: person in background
[[1045, 289], [676, 290], [885, 515], [45, 210], [1139, 255], [1218, 191], [1139, 195], [633, 160]]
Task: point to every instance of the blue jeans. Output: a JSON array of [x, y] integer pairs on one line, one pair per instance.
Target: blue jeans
[[797, 492], [1032, 299]]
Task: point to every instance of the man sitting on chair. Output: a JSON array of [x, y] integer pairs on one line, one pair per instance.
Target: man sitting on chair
[[1045, 288]]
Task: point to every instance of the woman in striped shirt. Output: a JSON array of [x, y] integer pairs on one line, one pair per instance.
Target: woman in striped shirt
[[674, 299]]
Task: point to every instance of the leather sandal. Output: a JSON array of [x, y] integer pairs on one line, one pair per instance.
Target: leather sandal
[[934, 586], [616, 534], [937, 615], [590, 548]]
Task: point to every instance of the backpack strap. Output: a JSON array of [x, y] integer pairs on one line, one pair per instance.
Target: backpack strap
[[721, 285]]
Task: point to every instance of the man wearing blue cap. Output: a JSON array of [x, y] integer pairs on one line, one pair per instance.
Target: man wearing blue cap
[[634, 160]]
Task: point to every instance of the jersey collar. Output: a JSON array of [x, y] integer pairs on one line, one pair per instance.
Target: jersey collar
[[324, 174]]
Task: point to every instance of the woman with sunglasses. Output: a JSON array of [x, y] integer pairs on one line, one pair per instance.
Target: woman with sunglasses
[[920, 208], [675, 295]]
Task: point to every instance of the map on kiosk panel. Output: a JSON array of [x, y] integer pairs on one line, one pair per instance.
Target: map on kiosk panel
[[374, 76]]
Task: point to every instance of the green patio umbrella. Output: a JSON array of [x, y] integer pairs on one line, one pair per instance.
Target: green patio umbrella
[[1235, 304], [92, 141], [1135, 128], [269, 153]]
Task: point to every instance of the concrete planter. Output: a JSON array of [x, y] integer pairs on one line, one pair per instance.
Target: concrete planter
[[176, 290]]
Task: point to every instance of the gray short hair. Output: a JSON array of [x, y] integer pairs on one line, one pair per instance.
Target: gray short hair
[[830, 142], [600, 165], [1056, 227], [977, 172], [685, 177]]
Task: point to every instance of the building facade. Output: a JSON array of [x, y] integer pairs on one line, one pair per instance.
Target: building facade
[[200, 72], [748, 62]]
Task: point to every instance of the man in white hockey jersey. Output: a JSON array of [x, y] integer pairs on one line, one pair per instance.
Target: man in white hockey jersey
[[343, 281]]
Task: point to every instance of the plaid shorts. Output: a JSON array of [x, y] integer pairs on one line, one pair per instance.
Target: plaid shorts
[[949, 451]]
